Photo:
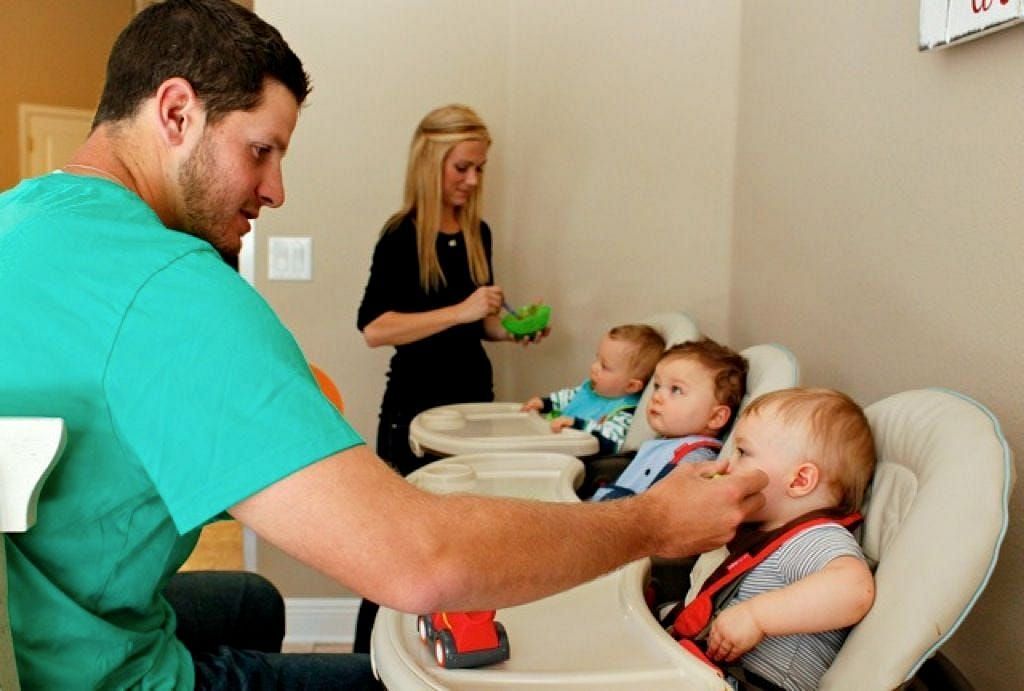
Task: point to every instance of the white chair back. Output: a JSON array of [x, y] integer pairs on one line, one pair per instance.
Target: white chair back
[[29, 447]]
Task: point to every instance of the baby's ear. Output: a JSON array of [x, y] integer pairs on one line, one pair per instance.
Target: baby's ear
[[720, 415], [804, 480], [635, 385]]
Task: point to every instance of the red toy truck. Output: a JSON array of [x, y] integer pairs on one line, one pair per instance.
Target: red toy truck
[[464, 639]]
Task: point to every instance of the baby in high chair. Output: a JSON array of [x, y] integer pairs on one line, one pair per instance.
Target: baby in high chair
[[778, 609], [698, 386], [605, 403]]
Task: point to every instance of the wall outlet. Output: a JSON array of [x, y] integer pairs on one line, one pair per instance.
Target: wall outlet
[[290, 259]]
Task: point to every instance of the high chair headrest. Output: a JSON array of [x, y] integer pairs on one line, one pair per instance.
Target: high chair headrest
[[934, 521]]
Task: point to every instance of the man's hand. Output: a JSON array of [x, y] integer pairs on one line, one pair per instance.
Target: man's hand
[[733, 632], [696, 512]]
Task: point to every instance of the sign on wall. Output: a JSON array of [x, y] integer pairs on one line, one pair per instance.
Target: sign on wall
[[945, 22]]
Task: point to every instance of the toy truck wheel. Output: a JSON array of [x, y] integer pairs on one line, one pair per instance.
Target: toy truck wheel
[[425, 628], [444, 648], [502, 640]]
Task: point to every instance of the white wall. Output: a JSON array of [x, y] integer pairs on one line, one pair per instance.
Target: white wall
[[377, 67], [620, 167], [878, 231], [609, 182], [876, 194], [605, 117]]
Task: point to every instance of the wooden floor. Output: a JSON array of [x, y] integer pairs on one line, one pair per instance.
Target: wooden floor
[[219, 549]]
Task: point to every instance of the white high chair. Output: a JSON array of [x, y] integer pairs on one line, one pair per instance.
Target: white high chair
[[934, 523], [501, 426], [29, 447], [598, 635]]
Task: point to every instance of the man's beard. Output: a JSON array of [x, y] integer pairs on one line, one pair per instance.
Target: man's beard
[[198, 179]]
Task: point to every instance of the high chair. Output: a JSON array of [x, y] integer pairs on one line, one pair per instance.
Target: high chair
[[598, 635], [935, 518], [934, 523], [29, 447], [501, 426]]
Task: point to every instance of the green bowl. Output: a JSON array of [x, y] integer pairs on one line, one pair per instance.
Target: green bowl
[[527, 320]]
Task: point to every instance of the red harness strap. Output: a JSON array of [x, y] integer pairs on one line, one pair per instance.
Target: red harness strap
[[684, 449], [744, 554]]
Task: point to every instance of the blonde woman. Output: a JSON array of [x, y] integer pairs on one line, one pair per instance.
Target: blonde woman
[[431, 291]]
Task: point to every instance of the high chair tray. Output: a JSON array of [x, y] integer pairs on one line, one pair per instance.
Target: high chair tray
[[598, 635], [466, 428]]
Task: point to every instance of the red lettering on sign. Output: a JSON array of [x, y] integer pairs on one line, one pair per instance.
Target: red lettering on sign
[[979, 6]]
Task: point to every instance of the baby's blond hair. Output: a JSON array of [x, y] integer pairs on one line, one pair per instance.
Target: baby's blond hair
[[837, 437], [648, 345]]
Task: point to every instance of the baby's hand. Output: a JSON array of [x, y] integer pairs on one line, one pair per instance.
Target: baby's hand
[[560, 423], [733, 632], [533, 404]]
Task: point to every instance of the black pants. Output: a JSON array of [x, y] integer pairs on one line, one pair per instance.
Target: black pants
[[232, 623], [392, 446]]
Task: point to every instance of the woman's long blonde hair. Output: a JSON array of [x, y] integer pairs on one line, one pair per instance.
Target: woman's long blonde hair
[[438, 132]]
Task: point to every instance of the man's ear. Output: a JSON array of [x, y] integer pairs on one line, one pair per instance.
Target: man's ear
[[804, 480], [179, 110], [635, 385], [720, 415]]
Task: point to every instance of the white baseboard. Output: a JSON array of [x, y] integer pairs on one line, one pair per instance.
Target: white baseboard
[[320, 619]]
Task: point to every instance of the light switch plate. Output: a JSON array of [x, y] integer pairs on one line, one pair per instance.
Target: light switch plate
[[290, 259]]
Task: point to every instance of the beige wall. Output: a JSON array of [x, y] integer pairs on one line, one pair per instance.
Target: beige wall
[[878, 230], [877, 202], [614, 130], [54, 53], [811, 179]]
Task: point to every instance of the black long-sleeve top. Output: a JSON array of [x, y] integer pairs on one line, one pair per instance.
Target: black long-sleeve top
[[450, 366]]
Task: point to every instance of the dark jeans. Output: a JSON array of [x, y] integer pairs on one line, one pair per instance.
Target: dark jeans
[[232, 623]]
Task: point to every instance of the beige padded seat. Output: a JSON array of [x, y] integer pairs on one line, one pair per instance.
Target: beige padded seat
[[934, 523]]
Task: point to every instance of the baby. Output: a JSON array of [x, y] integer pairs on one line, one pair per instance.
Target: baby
[[698, 385], [604, 404], [790, 613]]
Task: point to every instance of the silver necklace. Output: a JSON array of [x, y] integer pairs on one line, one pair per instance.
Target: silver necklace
[[105, 173]]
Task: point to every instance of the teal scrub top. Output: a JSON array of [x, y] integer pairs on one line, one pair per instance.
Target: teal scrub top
[[183, 394]]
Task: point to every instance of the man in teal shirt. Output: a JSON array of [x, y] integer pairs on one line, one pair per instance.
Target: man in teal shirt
[[185, 397]]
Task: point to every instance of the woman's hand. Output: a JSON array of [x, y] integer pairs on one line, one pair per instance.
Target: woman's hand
[[484, 302], [535, 337]]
